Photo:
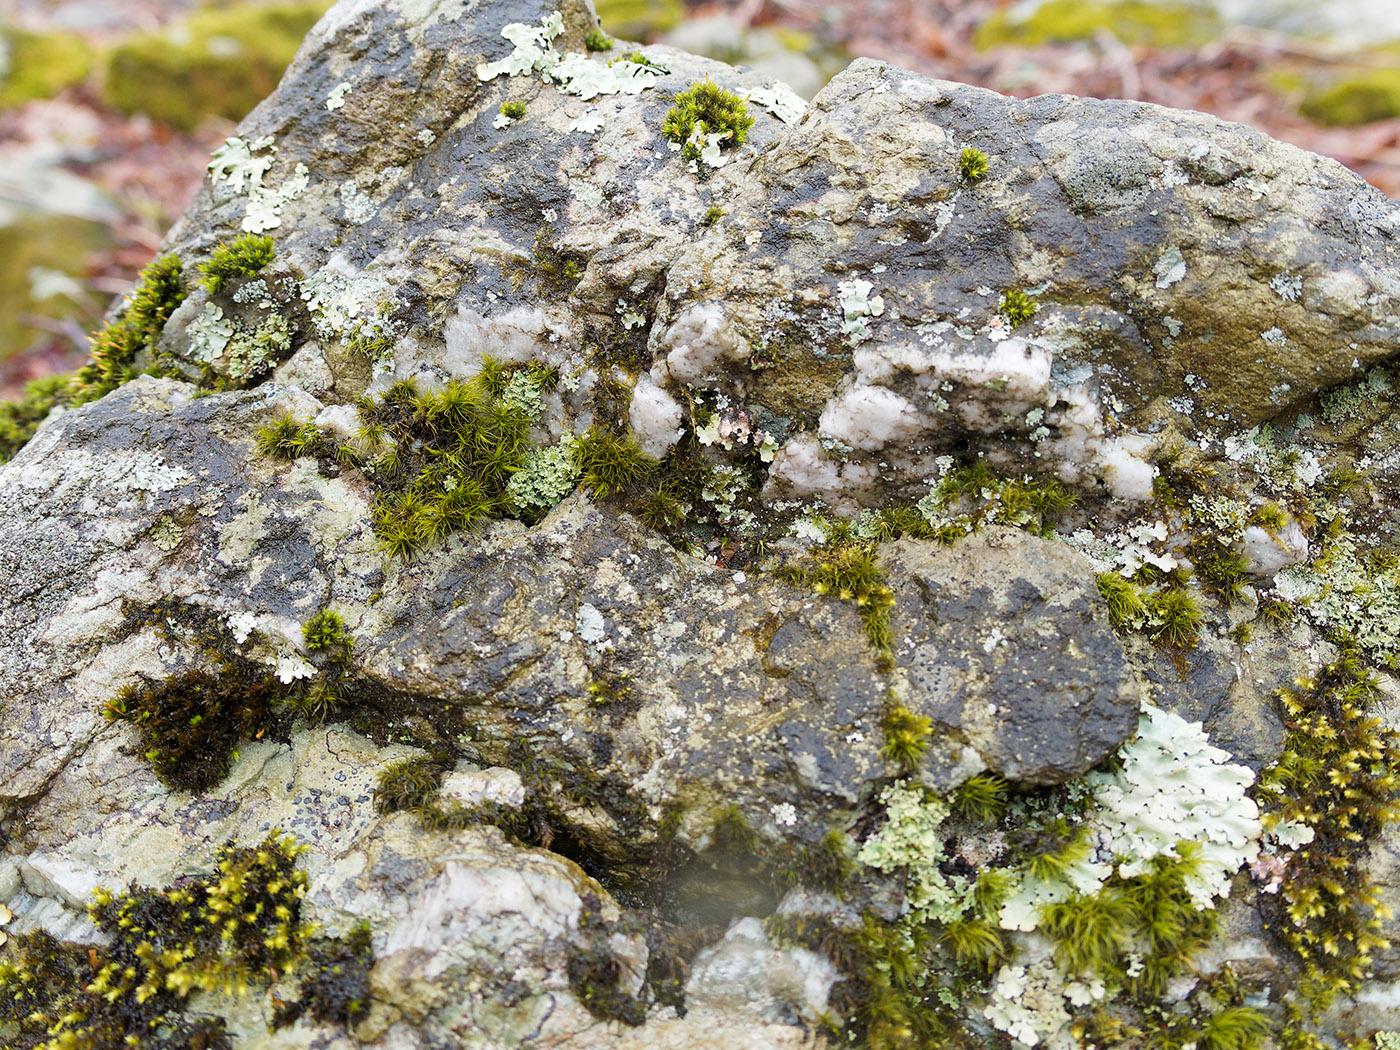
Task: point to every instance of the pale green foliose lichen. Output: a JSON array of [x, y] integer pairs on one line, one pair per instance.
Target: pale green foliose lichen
[[1345, 595], [574, 73], [780, 100], [912, 838], [238, 164], [856, 307], [546, 477]]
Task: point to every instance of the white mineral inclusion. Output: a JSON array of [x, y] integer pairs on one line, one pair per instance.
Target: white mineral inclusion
[[802, 464], [700, 336], [655, 417], [1125, 472], [341, 420], [870, 417], [1269, 552], [590, 625], [517, 335]]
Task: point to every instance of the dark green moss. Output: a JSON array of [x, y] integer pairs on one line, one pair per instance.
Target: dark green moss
[[595, 971], [221, 931], [513, 110], [409, 784], [597, 40], [191, 723], [335, 987], [1340, 776]]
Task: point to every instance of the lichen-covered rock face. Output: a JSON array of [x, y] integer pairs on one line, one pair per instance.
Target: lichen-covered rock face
[[913, 566]]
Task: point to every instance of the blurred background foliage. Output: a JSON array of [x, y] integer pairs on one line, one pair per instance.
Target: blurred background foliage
[[109, 108]]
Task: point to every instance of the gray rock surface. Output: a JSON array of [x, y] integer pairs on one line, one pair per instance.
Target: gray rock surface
[[677, 791]]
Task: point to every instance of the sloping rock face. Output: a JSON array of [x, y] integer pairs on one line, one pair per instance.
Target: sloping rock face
[[917, 568]]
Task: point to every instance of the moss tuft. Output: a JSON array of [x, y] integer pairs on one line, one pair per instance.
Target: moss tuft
[[906, 736], [19, 419], [244, 257], [513, 110], [191, 723], [159, 290], [972, 164], [410, 784], [980, 798], [597, 40], [1017, 307], [1339, 777], [236, 927], [705, 109]]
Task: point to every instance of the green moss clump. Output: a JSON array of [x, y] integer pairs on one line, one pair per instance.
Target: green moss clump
[[1358, 97], [1017, 307], [410, 784], [848, 569], [513, 110], [40, 65], [609, 463], [223, 931], [191, 722], [287, 438], [331, 646], [1339, 776], [20, 418], [326, 632], [597, 40], [335, 987], [217, 62], [972, 164], [704, 109], [137, 328], [906, 736], [1131, 21], [244, 257], [980, 798], [1170, 615]]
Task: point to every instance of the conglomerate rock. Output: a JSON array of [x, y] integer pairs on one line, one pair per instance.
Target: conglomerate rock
[[895, 602]]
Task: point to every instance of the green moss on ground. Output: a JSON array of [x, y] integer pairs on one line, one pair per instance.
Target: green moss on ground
[[639, 19], [1357, 97], [30, 245], [219, 62], [40, 65], [1131, 21]]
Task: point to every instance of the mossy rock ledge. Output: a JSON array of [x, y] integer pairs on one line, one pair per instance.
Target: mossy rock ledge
[[510, 579]]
